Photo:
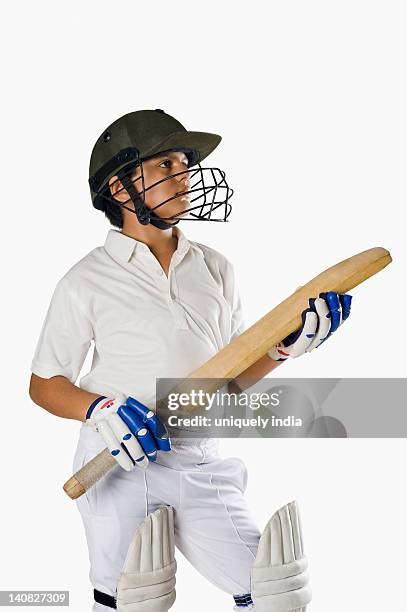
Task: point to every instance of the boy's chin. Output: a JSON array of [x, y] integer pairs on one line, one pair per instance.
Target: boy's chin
[[180, 215]]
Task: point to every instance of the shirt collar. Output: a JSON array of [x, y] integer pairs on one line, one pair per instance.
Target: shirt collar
[[122, 247], [184, 244]]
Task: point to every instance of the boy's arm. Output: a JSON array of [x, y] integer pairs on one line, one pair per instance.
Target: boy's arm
[[60, 397], [251, 375], [61, 350]]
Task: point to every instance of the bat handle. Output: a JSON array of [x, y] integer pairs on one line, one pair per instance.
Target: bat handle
[[89, 474]]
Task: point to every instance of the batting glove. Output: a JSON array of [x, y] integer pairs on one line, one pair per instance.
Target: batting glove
[[323, 317], [132, 432]]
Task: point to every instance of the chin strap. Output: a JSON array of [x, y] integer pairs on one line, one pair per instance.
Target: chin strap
[[144, 214], [160, 223]]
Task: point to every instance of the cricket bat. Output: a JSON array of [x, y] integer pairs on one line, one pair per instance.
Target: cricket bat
[[253, 343]]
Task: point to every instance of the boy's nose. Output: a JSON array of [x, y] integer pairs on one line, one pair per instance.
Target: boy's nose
[[184, 184]]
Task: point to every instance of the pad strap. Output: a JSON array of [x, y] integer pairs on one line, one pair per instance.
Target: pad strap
[[104, 599]]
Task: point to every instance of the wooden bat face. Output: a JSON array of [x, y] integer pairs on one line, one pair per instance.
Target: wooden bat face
[[253, 343]]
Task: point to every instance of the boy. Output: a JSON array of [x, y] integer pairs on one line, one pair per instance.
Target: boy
[[158, 305]]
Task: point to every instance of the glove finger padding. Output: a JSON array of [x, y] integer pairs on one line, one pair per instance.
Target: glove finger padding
[[279, 578], [136, 425], [147, 581], [335, 309], [153, 423], [346, 301], [322, 310], [113, 444], [297, 346], [128, 441]]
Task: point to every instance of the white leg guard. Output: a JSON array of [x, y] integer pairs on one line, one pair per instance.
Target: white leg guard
[[147, 581], [279, 577]]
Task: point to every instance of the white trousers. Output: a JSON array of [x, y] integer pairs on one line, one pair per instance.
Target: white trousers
[[213, 526]]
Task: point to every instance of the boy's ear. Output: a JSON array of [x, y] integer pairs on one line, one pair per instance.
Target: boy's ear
[[117, 190]]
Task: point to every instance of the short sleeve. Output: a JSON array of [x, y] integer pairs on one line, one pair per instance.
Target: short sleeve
[[65, 337]]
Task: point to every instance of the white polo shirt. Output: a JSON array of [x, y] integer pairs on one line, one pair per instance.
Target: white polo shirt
[[143, 325]]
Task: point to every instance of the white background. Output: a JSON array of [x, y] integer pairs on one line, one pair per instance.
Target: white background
[[310, 98]]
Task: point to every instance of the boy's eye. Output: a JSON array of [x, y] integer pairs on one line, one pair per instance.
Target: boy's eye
[[166, 161]]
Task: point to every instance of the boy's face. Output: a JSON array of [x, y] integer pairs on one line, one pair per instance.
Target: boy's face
[[156, 169]]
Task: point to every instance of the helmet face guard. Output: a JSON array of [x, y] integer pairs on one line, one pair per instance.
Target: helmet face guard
[[208, 192]]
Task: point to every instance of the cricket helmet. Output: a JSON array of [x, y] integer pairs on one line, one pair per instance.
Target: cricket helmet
[[141, 135]]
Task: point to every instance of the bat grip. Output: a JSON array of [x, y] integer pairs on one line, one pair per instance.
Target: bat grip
[[89, 474]]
